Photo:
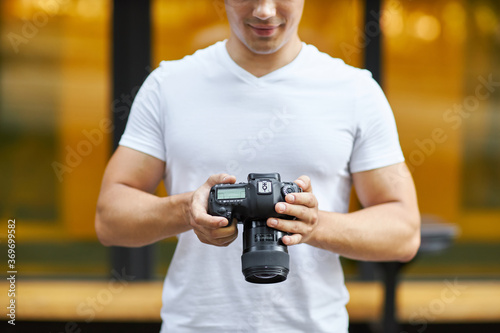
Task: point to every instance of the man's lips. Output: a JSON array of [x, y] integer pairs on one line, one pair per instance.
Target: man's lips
[[264, 30]]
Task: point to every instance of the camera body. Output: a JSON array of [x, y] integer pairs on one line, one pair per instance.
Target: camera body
[[254, 200], [265, 258]]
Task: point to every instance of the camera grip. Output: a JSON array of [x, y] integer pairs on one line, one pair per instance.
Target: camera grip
[[215, 209]]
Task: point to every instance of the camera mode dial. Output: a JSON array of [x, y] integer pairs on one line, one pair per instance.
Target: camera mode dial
[[290, 188]]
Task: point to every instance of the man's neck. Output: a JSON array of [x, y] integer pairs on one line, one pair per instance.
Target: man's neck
[[262, 64]]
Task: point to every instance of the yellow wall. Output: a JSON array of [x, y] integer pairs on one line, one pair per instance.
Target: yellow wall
[[425, 67], [75, 35], [85, 119]]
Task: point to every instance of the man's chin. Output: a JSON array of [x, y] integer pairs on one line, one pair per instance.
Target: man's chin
[[264, 48]]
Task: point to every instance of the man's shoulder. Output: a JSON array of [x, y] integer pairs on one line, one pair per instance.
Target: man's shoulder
[[191, 62], [328, 65]]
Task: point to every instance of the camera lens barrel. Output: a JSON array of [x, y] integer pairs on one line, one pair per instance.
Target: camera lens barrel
[[265, 258]]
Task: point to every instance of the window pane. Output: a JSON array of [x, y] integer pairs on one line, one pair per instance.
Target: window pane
[[54, 96], [28, 124], [442, 78], [481, 116]]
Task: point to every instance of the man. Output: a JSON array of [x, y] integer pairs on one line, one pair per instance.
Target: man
[[262, 101]]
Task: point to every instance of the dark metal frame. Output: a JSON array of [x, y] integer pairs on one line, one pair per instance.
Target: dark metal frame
[[131, 61], [390, 270], [373, 43]]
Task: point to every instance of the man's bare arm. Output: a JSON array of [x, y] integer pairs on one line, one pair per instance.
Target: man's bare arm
[[386, 229], [128, 213]]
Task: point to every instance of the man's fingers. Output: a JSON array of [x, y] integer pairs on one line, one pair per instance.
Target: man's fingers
[[298, 205], [290, 240], [304, 183], [290, 226], [304, 199], [294, 228], [200, 201], [211, 229], [222, 178], [299, 211], [219, 241], [217, 237]]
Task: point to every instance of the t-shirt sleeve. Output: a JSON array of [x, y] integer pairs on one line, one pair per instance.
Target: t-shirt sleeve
[[376, 142], [144, 126]]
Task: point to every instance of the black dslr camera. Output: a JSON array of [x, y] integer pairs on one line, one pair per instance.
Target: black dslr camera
[[265, 258]]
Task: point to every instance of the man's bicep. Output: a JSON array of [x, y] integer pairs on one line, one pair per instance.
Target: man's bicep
[[392, 183], [135, 169]]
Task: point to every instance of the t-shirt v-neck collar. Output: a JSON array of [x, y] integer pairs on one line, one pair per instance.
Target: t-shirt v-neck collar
[[249, 77]]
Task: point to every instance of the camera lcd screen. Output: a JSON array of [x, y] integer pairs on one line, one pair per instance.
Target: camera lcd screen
[[231, 193]]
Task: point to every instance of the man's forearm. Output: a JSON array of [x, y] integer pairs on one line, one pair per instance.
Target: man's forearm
[[129, 217], [384, 232]]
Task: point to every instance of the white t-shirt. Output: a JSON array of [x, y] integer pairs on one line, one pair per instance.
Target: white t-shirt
[[316, 116]]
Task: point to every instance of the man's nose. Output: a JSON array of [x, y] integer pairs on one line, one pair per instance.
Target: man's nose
[[265, 9]]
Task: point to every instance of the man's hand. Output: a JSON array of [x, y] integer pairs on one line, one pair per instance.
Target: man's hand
[[210, 229], [304, 206]]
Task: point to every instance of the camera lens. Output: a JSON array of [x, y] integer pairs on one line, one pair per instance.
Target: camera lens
[[265, 258], [265, 276]]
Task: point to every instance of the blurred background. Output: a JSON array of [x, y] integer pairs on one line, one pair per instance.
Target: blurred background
[[440, 70]]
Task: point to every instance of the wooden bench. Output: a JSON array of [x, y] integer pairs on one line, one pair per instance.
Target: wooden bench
[[85, 301]]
